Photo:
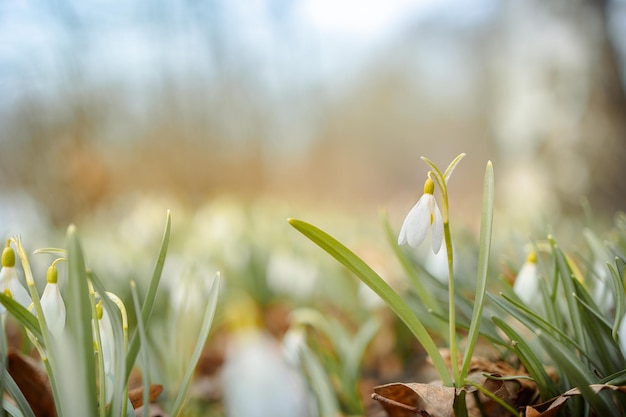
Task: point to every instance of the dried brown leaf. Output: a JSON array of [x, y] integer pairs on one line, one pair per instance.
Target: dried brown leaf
[[551, 407], [410, 399], [33, 381], [507, 383], [136, 395]]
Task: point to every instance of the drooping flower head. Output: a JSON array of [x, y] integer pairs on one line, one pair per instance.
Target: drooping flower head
[[9, 283], [52, 303], [424, 216]]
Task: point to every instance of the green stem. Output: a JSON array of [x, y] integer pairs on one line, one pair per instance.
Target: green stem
[[495, 398], [100, 356], [47, 356], [454, 360]]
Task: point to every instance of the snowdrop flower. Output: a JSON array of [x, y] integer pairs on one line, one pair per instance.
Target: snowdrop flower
[[106, 348], [52, 303], [423, 216], [9, 283], [526, 284]]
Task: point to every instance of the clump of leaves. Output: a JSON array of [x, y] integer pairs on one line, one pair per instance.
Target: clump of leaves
[[89, 358], [572, 323], [563, 352], [333, 367]]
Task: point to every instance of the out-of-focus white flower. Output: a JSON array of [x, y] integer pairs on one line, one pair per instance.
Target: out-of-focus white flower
[[526, 284], [293, 340], [259, 377], [9, 283], [437, 264], [287, 274], [259, 381], [602, 292], [52, 304], [424, 216]]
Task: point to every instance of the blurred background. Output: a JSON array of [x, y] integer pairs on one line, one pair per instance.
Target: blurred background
[[312, 101]]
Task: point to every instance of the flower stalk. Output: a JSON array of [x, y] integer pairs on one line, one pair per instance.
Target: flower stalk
[[426, 215]]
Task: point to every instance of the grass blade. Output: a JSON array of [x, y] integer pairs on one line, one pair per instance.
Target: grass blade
[[209, 313], [547, 387], [620, 298], [567, 276], [78, 327], [577, 374], [320, 383], [145, 377], [357, 349], [148, 303], [531, 320]]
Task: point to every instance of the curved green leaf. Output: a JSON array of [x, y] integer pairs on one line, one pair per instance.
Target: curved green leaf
[[209, 314], [148, 302], [22, 315], [79, 330], [355, 264]]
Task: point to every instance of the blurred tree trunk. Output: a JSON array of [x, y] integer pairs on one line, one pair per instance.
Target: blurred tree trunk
[[605, 127]]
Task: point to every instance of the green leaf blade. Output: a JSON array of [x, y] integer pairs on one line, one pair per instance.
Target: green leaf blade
[[79, 325], [483, 266], [207, 322], [23, 316], [356, 265], [148, 303]]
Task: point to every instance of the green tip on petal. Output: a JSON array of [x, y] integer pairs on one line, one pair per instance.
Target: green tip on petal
[[429, 186], [8, 293], [8, 257], [52, 275], [532, 257], [99, 309]]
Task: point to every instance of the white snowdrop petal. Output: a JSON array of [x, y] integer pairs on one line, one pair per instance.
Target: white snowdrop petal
[[402, 234], [423, 216], [526, 284], [53, 309], [408, 224], [437, 228], [418, 222], [9, 281]]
